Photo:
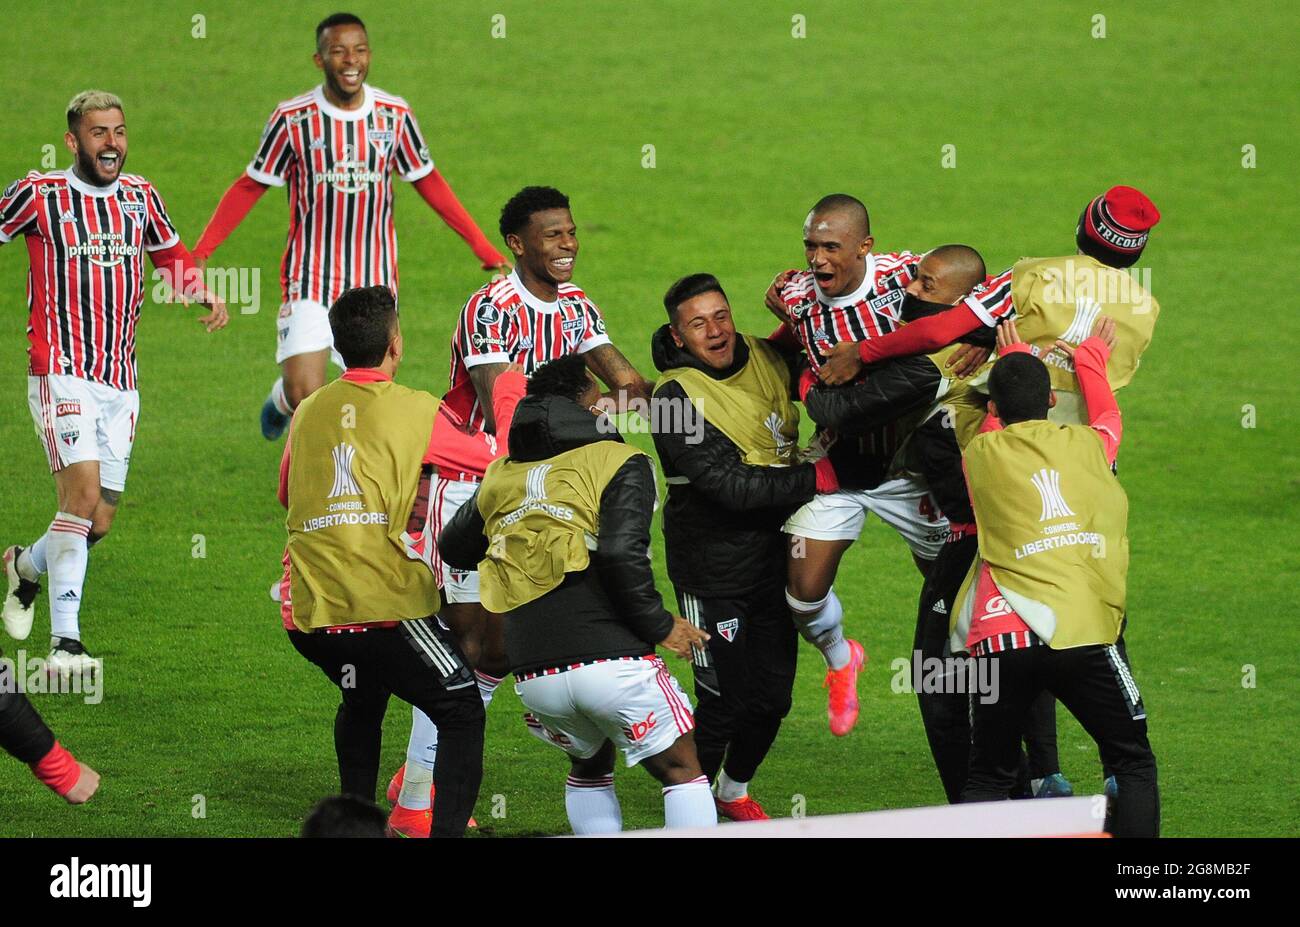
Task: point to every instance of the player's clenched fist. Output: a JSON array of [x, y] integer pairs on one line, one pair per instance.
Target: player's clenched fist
[[683, 638], [773, 298], [842, 365]]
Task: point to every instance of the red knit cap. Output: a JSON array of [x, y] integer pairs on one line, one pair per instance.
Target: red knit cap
[[1119, 222]]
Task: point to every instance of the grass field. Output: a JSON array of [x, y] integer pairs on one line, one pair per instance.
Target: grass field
[[750, 125]]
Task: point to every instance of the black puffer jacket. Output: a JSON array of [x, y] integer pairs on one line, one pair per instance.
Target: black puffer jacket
[[722, 528], [610, 609]]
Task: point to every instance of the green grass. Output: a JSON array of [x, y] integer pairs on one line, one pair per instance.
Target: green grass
[[204, 696]]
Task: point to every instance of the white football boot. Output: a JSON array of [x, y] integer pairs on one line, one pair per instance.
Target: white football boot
[[68, 658], [20, 600]]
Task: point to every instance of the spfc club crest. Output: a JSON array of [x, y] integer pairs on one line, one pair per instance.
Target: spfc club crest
[[729, 629]]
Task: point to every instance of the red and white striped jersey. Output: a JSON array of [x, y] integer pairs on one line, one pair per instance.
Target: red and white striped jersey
[[872, 310], [338, 166], [991, 300], [503, 323], [86, 282]]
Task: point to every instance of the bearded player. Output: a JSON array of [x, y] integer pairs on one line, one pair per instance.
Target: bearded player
[[88, 229], [336, 149], [531, 316]]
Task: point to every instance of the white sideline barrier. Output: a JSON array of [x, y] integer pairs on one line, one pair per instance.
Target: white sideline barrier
[[1048, 817]]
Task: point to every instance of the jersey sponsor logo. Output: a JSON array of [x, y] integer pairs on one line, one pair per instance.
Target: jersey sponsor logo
[[344, 482], [1048, 484], [481, 341], [995, 607], [46, 189], [104, 249], [424, 154], [638, 730], [728, 629], [348, 174], [297, 118]]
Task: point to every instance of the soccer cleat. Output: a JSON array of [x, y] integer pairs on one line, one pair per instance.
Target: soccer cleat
[[742, 809], [842, 702], [20, 599], [403, 822], [273, 421], [68, 657], [1053, 786]]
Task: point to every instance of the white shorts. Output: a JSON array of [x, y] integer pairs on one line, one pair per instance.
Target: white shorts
[[448, 497], [636, 703], [80, 420], [903, 504], [303, 328]]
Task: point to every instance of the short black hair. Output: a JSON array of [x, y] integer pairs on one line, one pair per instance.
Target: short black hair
[[965, 262], [344, 816], [516, 213], [566, 377], [1021, 387], [336, 19], [689, 287], [362, 321], [853, 207]]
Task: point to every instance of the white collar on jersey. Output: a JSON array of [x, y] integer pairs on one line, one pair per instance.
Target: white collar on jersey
[[868, 283], [345, 115], [529, 297], [81, 186]]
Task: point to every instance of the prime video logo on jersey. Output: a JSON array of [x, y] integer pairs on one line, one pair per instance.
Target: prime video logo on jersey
[[661, 415], [234, 286], [76, 879], [20, 675]]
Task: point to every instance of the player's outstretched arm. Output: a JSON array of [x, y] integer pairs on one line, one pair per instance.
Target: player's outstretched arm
[[1090, 367], [435, 191], [178, 270], [231, 210], [617, 372]]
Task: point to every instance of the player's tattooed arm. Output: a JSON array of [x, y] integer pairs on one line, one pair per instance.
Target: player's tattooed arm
[[617, 372], [484, 377]]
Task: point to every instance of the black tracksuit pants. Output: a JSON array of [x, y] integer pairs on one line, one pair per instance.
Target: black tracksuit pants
[[22, 732], [421, 664], [743, 683], [946, 715], [1095, 684]]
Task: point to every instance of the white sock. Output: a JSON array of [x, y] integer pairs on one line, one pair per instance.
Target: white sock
[[592, 805], [280, 400], [822, 625], [487, 686], [31, 562], [690, 804], [416, 782], [421, 753], [66, 553], [729, 789]]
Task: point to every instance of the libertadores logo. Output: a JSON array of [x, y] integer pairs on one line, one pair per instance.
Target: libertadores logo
[[344, 483], [1048, 484]]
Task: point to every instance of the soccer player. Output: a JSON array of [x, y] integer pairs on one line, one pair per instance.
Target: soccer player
[[88, 229], [733, 479], [359, 607], [533, 315], [1046, 596], [336, 149], [848, 292], [1050, 298], [568, 514]]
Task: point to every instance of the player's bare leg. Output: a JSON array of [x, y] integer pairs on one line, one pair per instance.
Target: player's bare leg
[[818, 615], [300, 376], [589, 797], [688, 800]]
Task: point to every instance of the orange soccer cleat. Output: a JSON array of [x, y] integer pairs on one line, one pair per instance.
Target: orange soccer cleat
[[403, 822], [395, 790], [742, 809], [842, 703]]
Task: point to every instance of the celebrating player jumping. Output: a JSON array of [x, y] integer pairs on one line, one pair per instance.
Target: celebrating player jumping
[[336, 148], [88, 228]]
